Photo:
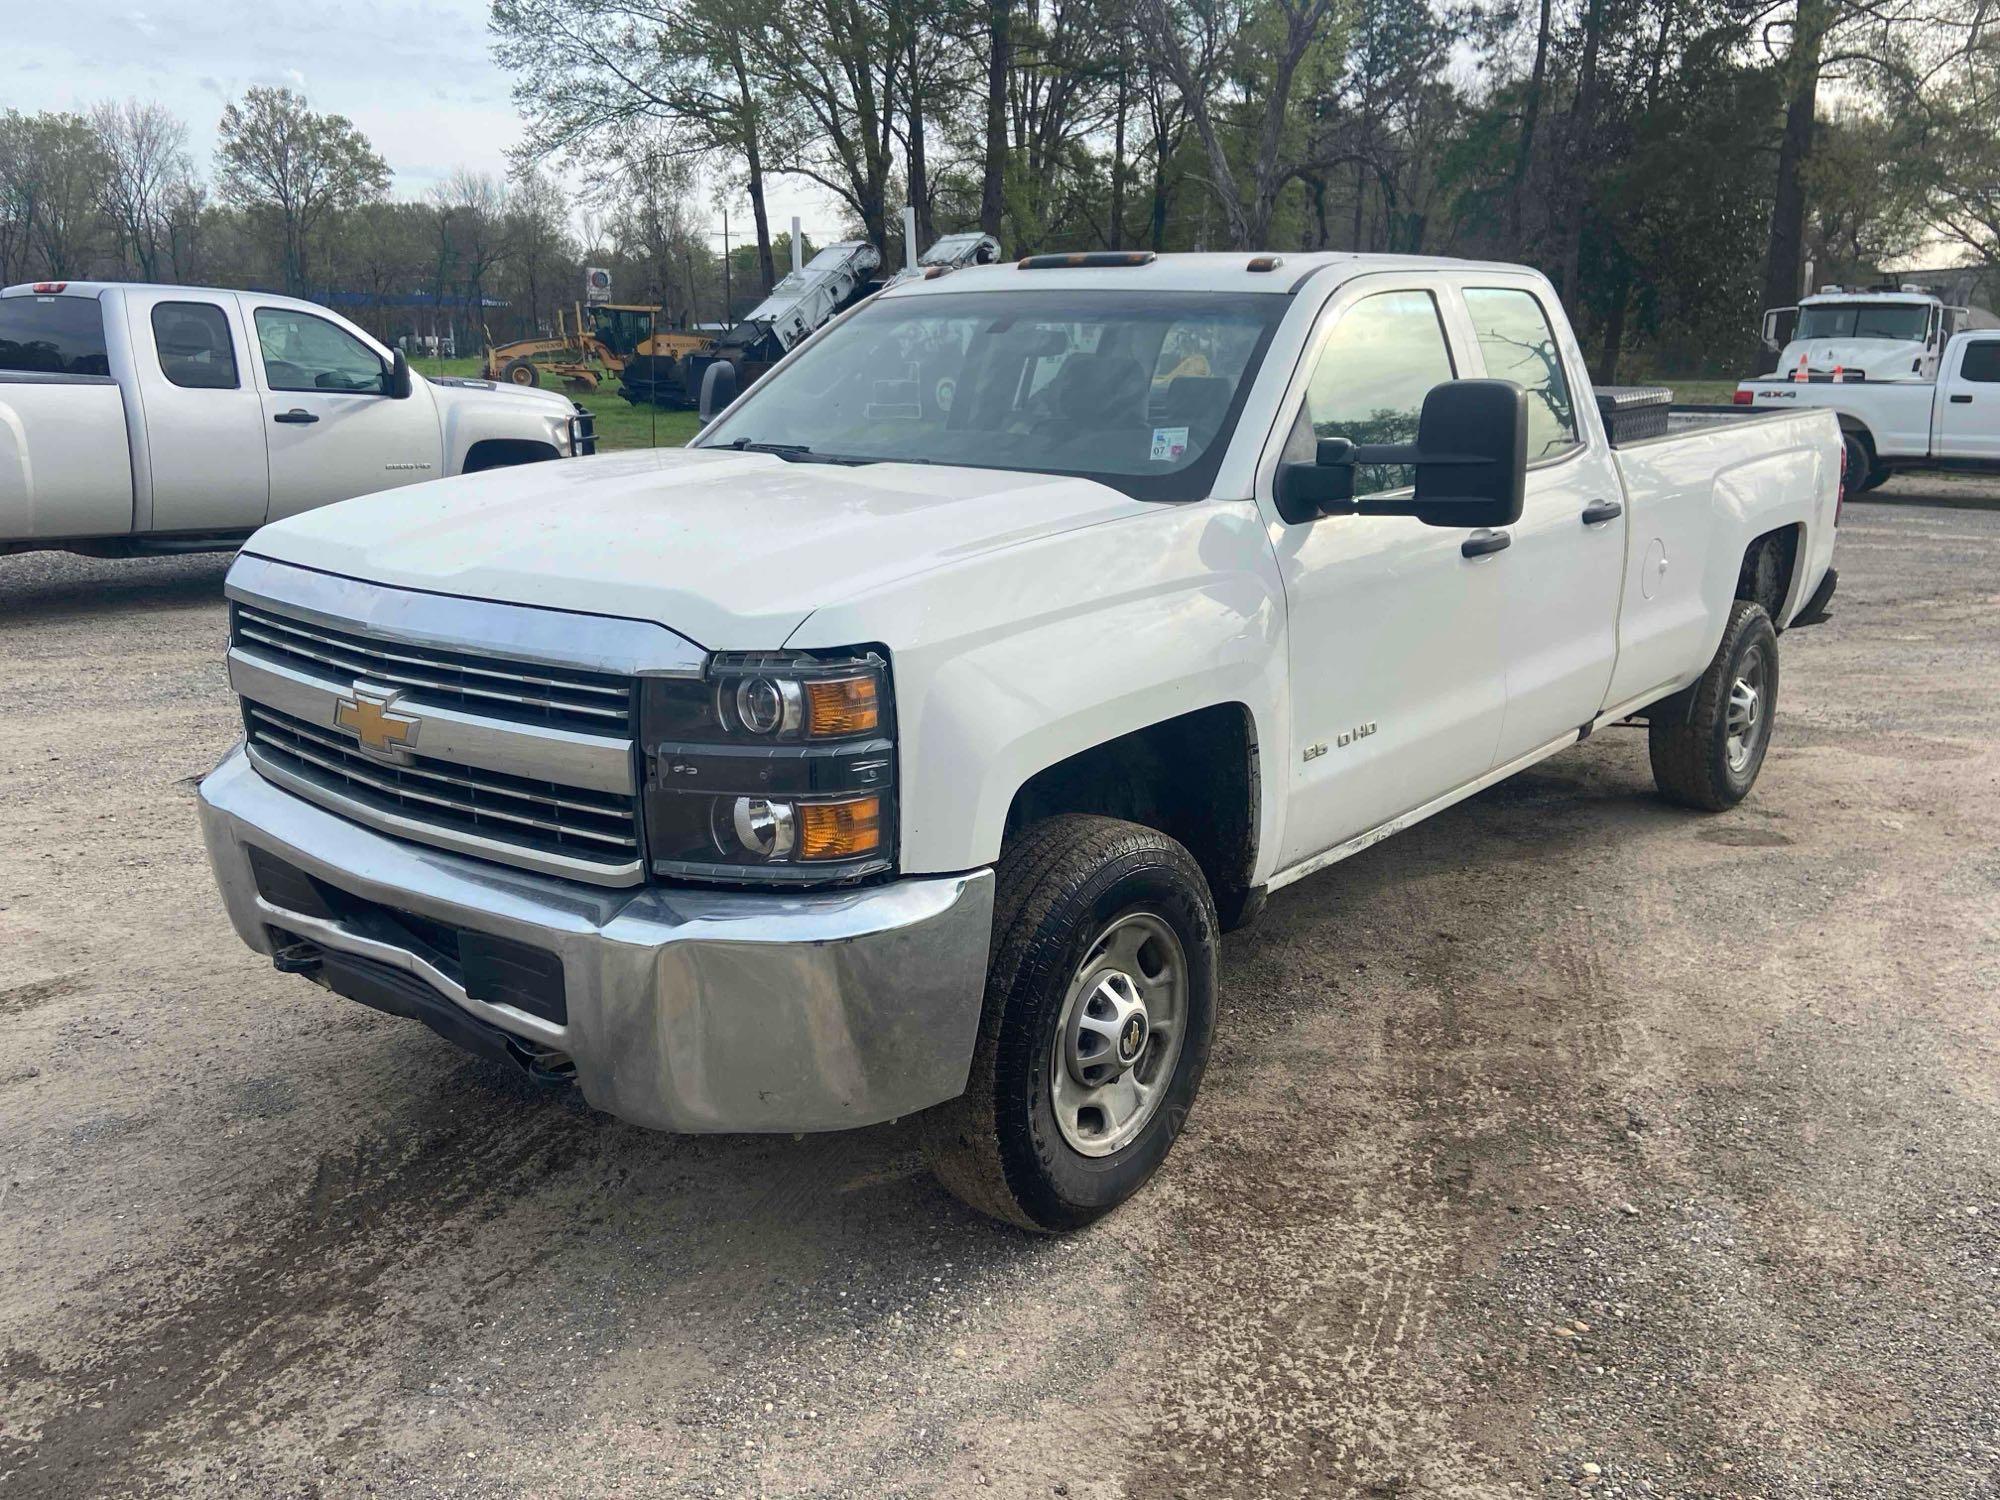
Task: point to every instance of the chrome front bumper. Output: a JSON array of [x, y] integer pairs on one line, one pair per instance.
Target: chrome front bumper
[[687, 1010]]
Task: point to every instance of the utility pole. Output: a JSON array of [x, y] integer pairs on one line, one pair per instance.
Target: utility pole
[[728, 302]]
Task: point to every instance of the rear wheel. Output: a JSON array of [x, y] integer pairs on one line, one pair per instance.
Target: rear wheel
[[1708, 741], [1100, 1007], [1860, 462]]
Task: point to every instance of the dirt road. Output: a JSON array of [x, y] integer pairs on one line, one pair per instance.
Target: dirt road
[[1566, 1140]]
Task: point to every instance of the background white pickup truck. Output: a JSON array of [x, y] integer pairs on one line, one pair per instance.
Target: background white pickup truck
[[904, 745], [1910, 392], [169, 418]]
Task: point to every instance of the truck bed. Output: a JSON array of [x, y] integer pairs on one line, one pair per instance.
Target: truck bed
[[1696, 497], [65, 459]]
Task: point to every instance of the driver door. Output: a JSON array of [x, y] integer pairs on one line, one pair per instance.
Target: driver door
[[1397, 677], [332, 431]]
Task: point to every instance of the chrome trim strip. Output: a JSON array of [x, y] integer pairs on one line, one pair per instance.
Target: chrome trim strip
[[473, 809], [614, 805], [333, 935], [516, 632], [631, 872], [282, 634], [592, 762]]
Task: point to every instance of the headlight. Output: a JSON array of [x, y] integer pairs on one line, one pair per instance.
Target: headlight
[[772, 767]]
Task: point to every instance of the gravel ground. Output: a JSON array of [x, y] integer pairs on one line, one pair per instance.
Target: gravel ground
[[1565, 1142]]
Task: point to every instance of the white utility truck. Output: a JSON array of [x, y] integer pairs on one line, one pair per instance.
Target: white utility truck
[[143, 419], [951, 252], [799, 305], [1914, 380], [905, 744]]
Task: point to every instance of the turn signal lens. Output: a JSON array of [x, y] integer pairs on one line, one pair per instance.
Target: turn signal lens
[[840, 830], [843, 706]]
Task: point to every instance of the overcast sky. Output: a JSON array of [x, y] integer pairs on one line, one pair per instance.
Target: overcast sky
[[414, 76]]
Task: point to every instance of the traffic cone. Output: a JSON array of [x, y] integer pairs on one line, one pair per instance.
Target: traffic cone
[[1838, 377], [1801, 373]]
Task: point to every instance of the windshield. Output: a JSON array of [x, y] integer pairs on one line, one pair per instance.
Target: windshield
[[1137, 390], [1905, 322]]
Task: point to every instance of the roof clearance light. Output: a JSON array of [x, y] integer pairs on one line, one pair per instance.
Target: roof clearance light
[[50, 286], [1266, 263], [1085, 259]]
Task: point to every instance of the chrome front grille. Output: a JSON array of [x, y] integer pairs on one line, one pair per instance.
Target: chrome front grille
[[517, 692], [521, 751], [573, 824]]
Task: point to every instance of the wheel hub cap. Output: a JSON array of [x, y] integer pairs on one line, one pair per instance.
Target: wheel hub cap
[[1119, 1036], [1108, 1032], [1745, 718]]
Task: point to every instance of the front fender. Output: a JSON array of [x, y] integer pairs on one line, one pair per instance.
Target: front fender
[[1012, 660], [468, 415]]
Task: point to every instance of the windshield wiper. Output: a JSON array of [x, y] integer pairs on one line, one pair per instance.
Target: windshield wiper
[[798, 453], [783, 450]]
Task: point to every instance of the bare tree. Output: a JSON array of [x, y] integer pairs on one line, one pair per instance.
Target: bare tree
[[472, 213], [1299, 24], [146, 149]]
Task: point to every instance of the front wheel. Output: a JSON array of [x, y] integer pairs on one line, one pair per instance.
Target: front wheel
[[1708, 741], [1100, 1007]]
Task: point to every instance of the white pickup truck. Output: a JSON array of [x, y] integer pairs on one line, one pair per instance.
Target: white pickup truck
[[146, 419], [1914, 380], [905, 744]]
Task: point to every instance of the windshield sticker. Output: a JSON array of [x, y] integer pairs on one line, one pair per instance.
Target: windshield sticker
[[897, 399], [1169, 444]]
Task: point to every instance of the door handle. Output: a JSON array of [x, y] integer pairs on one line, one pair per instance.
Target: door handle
[[1599, 511], [1961, 401], [297, 414], [1482, 542]]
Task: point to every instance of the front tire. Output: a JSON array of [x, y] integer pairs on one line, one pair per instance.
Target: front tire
[[1100, 1009], [1708, 741], [520, 372]]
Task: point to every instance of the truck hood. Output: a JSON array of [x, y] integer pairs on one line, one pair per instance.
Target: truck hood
[[731, 550], [1881, 359], [497, 394]]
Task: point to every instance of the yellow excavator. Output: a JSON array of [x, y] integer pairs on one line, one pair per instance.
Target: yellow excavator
[[587, 352]]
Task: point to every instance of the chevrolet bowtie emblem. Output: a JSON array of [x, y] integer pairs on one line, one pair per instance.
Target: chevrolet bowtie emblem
[[371, 718]]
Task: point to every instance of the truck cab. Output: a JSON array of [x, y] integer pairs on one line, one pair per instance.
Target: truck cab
[[1895, 332]]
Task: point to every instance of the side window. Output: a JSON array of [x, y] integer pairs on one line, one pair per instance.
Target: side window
[[192, 341], [1379, 363], [1519, 345], [304, 353], [1981, 363]]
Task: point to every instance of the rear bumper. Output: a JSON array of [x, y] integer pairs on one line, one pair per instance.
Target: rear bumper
[[685, 1010]]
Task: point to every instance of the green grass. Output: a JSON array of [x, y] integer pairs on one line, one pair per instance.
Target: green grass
[[623, 425], [1700, 392], [619, 423]]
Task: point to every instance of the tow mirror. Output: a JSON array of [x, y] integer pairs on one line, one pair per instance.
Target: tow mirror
[[1780, 323], [718, 389], [400, 385], [1471, 458]]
